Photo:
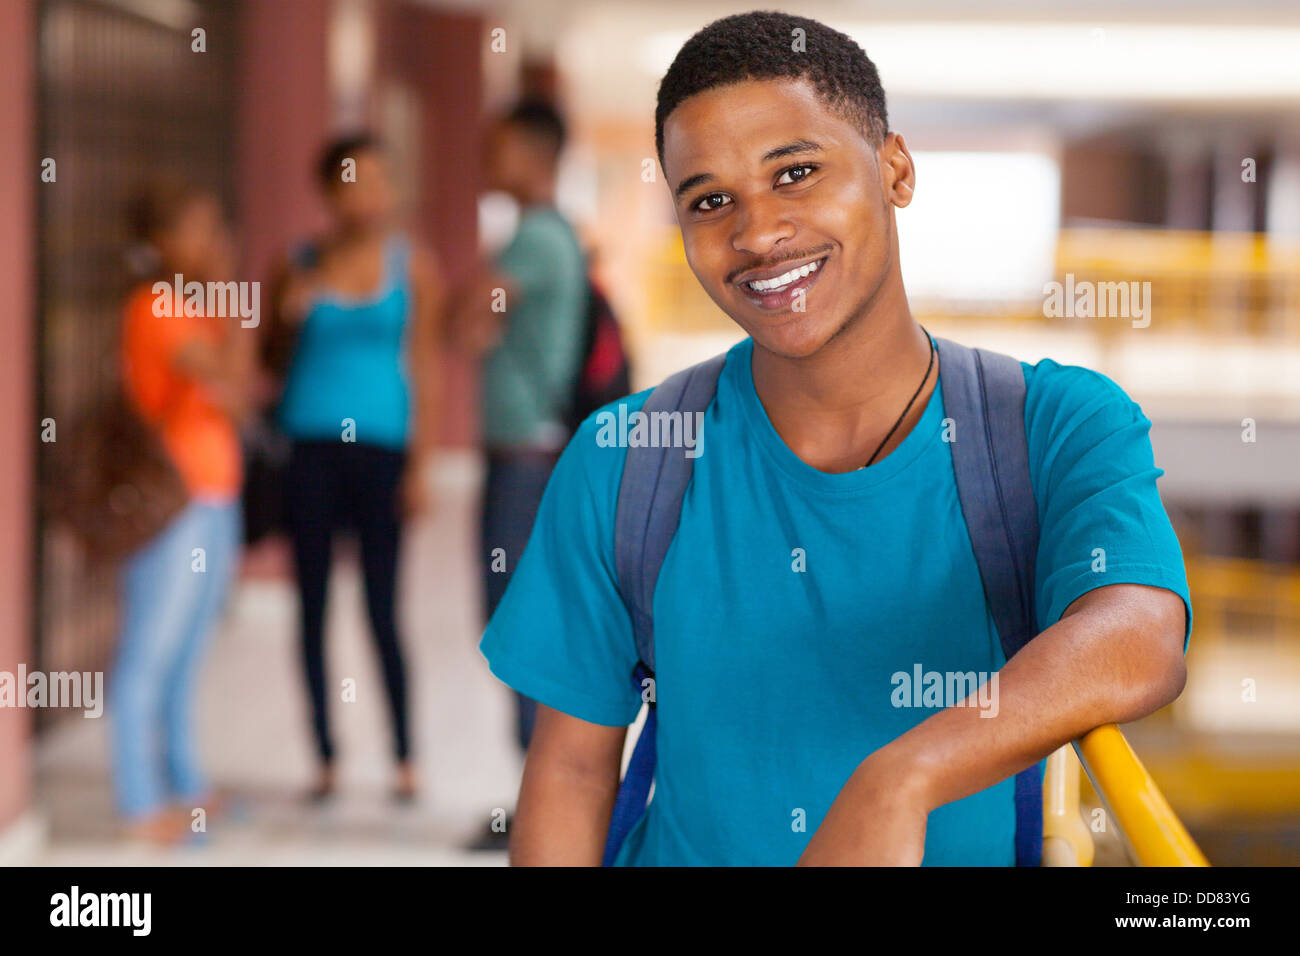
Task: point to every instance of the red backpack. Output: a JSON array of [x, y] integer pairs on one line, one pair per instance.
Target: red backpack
[[604, 374]]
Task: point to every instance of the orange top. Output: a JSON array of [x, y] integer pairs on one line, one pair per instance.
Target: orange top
[[198, 434]]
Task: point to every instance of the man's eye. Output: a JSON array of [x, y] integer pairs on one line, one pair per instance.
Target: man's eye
[[712, 201], [794, 174]]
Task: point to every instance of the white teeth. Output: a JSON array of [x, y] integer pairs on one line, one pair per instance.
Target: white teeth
[[781, 281]]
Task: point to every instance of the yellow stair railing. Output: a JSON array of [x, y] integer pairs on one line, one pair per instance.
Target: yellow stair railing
[[1154, 833], [1243, 286], [1067, 840]]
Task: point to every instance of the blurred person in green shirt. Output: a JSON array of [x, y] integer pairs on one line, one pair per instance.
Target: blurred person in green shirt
[[525, 314]]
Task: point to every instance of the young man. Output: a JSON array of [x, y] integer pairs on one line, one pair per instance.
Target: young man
[[525, 313], [821, 549]]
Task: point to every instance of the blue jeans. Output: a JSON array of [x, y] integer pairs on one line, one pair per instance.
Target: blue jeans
[[511, 497], [172, 597]]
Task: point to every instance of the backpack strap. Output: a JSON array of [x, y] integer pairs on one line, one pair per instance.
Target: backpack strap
[[984, 394], [650, 499]]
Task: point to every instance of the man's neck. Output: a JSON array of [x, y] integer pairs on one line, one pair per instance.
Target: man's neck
[[535, 197], [835, 407]]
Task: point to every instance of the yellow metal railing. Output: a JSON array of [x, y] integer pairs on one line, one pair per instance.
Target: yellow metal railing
[[1232, 597], [1154, 833], [1209, 282], [1067, 840], [1219, 284]]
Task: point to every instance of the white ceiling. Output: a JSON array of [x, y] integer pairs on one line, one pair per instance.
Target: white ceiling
[[1026, 62]]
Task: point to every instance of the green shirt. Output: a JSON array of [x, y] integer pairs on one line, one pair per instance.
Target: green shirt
[[527, 379]]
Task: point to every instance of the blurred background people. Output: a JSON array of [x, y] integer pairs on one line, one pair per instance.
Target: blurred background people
[[361, 304], [186, 375], [525, 312], [1131, 164]]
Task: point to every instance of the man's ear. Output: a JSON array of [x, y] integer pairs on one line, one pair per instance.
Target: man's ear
[[898, 175]]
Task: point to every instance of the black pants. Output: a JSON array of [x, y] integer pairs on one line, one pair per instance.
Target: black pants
[[332, 485]]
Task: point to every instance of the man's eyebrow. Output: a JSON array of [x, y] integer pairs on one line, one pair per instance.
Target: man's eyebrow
[[689, 183], [794, 148]]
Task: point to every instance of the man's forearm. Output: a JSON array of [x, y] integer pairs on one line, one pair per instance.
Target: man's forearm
[[563, 816], [1115, 657]]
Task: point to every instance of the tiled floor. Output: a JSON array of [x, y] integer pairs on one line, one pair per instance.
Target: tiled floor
[[255, 733], [256, 739]]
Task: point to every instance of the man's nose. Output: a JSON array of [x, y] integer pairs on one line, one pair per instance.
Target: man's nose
[[761, 227]]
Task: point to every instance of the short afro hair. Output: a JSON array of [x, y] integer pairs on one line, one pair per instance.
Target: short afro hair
[[761, 45], [541, 121]]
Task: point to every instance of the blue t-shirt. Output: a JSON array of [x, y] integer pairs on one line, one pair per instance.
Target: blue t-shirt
[[791, 599]]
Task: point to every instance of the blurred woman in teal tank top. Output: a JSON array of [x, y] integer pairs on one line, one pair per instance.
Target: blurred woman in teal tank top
[[362, 306], [349, 369]]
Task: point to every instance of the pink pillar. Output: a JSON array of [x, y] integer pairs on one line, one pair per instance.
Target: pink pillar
[[283, 120], [438, 55], [17, 360]]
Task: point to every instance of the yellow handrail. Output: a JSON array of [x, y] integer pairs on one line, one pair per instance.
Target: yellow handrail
[[1154, 832], [1241, 285], [1066, 838]]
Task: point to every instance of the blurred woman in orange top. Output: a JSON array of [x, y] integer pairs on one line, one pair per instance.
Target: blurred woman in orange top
[[188, 376]]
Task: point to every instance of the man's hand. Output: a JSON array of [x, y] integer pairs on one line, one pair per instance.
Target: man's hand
[[878, 819]]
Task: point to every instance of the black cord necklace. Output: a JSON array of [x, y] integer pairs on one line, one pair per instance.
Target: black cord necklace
[[910, 403]]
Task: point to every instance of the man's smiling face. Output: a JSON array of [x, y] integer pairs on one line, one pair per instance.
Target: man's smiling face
[[785, 209]]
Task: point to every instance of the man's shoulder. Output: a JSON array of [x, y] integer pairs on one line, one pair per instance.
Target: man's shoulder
[[546, 225], [591, 444], [1072, 413], [545, 246], [599, 445], [1059, 394]]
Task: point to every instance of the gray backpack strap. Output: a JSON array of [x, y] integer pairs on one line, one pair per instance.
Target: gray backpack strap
[[650, 500], [984, 394]]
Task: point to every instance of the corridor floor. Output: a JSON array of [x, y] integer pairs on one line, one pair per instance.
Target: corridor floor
[[256, 738]]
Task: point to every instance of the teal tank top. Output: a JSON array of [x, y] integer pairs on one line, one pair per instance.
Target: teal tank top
[[348, 379]]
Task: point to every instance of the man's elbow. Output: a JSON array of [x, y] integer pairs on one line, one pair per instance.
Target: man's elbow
[[1163, 672], [1165, 684]]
